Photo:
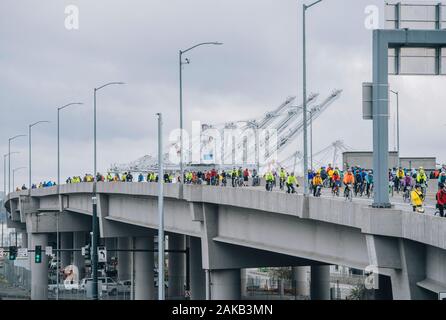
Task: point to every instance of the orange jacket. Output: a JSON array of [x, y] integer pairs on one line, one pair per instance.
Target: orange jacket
[[349, 178]]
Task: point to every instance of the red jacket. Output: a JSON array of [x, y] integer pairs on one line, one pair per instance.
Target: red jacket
[[441, 197]]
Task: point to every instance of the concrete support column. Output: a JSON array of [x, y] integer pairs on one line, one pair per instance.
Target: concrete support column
[[244, 283], [24, 237], [300, 280], [39, 271], [320, 283], [176, 266], [144, 264], [110, 245], [79, 241], [197, 274], [225, 284], [124, 259], [66, 242]]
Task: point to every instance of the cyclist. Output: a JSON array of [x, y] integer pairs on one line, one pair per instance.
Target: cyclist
[[310, 176], [369, 182], [349, 179], [269, 181], [441, 199], [417, 199], [283, 177], [233, 176], [317, 185], [359, 180], [290, 182], [422, 179], [399, 177], [336, 178], [441, 179]]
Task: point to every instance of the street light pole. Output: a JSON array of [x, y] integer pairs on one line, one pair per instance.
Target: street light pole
[[29, 152], [161, 295], [58, 137], [181, 52], [397, 124], [94, 244], [9, 159], [57, 256], [304, 86]]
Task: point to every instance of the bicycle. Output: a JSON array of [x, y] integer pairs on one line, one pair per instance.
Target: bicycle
[[317, 193], [391, 188], [348, 193], [255, 181], [406, 195], [269, 186], [335, 190], [282, 183], [369, 190]]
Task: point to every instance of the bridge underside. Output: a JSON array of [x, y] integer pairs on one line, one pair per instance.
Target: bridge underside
[[225, 238]]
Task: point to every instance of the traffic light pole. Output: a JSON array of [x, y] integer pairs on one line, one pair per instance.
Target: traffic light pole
[[94, 251]]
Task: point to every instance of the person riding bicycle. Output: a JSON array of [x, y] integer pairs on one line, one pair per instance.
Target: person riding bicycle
[[310, 176], [399, 177], [369, 181], [282, 177], [441, 179], [317, 182], [359, 180], [336, 178], [349, 178], [269, 177], [408, 182], [290, 182], [323, 174], [233, 176], [421, 176], [417, 199], [441, 199]]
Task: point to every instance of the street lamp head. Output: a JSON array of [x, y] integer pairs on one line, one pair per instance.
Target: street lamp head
[[70, 104], [38, 122], [109, 84], [218, 43]]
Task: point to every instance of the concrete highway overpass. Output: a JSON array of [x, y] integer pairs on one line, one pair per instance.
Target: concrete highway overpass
[[229, 229]]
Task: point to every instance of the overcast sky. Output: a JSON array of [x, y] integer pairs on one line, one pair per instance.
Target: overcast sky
[[43, 65]]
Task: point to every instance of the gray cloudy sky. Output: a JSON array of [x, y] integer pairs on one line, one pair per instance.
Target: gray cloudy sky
[[43, 65]]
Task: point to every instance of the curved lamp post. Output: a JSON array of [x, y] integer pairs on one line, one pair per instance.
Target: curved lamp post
[[58, 136], [30, 139], [181, 96], [9, 158], [94, 244]]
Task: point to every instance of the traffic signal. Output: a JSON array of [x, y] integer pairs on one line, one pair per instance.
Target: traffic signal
[[86, 252], [12, 253], [38, 254]]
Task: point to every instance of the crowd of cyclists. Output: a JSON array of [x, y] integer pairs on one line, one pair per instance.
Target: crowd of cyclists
[[355, 181]]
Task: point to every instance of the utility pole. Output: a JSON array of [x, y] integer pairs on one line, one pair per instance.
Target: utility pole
[[161, 295]]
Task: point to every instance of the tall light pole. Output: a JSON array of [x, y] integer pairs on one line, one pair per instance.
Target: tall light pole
[[13, 174], [161, 295], [397, 124], [311, 112], [58, 136], [4, 183], [94, 244], [9, 158], [181, 97], [304, 97], [30, 140]]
